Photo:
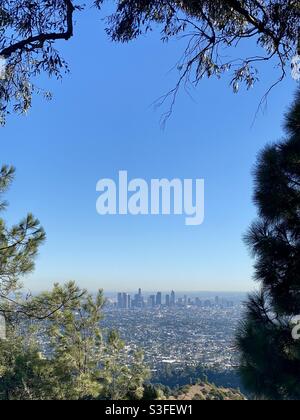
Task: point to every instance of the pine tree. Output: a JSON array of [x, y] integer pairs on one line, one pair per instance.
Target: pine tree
[[19, 246], [124, 373], [270, 357], [69, 356], [54, 347]]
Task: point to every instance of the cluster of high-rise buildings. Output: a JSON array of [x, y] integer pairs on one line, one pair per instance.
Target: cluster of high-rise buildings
[[126, 301]]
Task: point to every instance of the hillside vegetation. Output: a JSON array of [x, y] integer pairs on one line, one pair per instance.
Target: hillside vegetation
[[208, 392]]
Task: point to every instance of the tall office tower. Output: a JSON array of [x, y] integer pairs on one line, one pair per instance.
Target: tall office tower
[[159, 299], [120, 301], [185, 300], [173, 298], [168, 300], [139, 300], [129, 301], [152, 301], [125, 301], [217, 300]]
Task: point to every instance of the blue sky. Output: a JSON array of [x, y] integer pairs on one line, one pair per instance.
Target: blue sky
[[101, 121]]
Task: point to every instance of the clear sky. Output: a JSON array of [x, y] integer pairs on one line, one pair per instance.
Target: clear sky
[[101, 121]]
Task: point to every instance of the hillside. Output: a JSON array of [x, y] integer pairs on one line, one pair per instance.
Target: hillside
[[207, 392]]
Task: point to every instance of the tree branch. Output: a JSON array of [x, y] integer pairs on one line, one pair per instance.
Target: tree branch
[[260, 26], [42, 38]]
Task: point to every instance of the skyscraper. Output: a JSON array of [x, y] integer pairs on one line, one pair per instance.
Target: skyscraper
[[120, 301], [152, 301], [125, 301], [138, 300], [168, 300], [159, 299], [173, 298], [129, 301]]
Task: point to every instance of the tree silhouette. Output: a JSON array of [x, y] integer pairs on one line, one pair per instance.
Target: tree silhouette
[[19, 246], [30, 31], [270, 357]]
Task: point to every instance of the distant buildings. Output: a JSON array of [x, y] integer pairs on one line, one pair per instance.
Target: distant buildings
[[138, 301], [152, 301], [188, 334], [173, 298], [120, 301], [126, 301], [159, 299]]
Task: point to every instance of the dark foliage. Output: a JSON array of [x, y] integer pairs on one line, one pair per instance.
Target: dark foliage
[[212, 29], [270, 357]]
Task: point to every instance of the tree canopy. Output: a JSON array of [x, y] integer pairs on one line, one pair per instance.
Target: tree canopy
[[270, 356], [53, 346], [212, 29], [69, 356]]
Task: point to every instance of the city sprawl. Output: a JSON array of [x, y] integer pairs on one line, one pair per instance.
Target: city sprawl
[[178, 331]]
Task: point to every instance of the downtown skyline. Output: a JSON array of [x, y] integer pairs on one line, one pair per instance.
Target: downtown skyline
[[142, 300]]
